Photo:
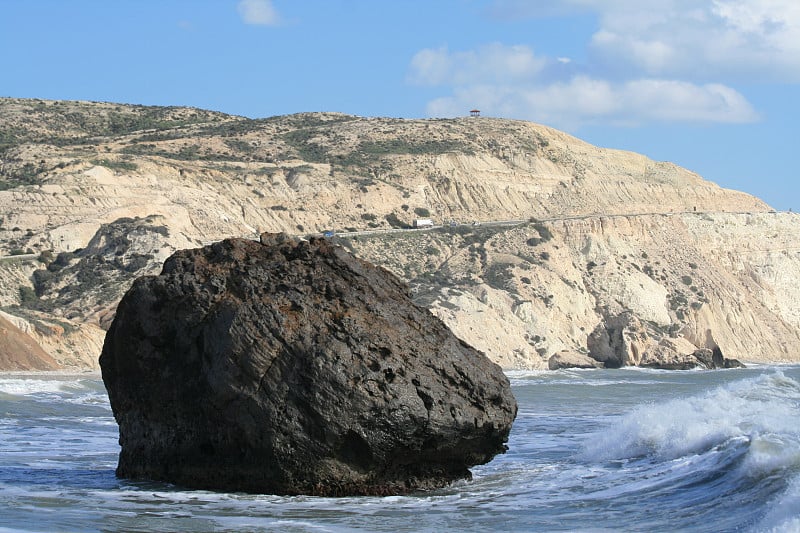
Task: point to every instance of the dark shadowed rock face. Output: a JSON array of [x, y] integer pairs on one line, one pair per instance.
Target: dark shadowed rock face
[[293, 367]]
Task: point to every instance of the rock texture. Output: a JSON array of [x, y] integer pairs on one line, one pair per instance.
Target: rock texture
[[292, 367]]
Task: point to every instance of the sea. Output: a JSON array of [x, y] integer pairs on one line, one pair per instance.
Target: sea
[[591, 450]]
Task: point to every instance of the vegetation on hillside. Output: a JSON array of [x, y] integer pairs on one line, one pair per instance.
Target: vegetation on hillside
[[93, 131]]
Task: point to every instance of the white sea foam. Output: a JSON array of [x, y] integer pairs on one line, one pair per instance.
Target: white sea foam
[[589, 376], [520, 374], [73, 390], [23, 387], [763, 410], [784, 515]]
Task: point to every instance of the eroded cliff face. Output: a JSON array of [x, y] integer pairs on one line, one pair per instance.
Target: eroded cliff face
[[691, 281], [618, 232]]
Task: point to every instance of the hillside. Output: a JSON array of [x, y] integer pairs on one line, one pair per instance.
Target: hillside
[[100, 193]]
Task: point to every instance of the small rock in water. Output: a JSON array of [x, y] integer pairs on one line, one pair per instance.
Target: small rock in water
[[292, 367], [572, 359]]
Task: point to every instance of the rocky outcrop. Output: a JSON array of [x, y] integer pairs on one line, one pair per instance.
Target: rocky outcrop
[[86, 284], [292, 367], [571, 359], [623, 340], [618, 341]]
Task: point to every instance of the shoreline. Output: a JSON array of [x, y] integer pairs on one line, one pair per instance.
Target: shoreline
[[98, 374], [50, 373]]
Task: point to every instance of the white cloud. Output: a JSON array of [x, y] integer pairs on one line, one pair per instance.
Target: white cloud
[[258, 12], [692, 39], [584, 100], [666, 61], [496, 63]]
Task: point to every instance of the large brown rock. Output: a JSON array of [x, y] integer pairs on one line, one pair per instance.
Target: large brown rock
[[293, 367]]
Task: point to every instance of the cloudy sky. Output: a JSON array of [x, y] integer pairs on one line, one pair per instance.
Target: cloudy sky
[[711, 85]]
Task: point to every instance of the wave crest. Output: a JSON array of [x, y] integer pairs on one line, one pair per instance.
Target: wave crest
[[761, 411]]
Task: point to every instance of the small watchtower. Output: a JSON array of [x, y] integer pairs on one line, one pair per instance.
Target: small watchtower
[[475, 113]]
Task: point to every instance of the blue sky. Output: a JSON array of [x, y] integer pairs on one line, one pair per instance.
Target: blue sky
[[711, 85]]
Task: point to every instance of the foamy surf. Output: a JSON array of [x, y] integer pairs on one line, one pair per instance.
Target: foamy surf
[[590, 451], [763, 411]]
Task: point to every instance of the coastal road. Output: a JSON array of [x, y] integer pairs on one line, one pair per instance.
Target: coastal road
[[548, 219], [490, 223]]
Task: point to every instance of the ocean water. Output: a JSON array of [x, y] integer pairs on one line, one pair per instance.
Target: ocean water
[[599, 450]]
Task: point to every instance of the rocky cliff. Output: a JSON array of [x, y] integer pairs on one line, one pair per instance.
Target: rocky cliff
[[598, 232], [691, 281]]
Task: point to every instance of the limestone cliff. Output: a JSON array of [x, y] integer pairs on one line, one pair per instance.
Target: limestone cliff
[[699, 280], [98, 194]]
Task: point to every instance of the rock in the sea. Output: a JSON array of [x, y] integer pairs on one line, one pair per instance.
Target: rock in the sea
[[713, 358], [671, 354], [622, 340], [292, 367], [571, 359]]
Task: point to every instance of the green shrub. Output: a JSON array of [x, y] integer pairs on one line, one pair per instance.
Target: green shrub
[[500, 276], [544, 232], [395, 222], [41, 278], [46, 257], [27, 296], [63, 259], [126, 166]]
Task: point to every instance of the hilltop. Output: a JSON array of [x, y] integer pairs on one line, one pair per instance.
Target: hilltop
[[100, 193]]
